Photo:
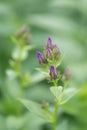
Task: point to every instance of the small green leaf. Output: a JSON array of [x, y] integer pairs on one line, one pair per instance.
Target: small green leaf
[[19, 54], [43, 71], [11, 74], [14, 40], [57, 92], [36, 109], [63, 95], [29, 47], [68, 93]]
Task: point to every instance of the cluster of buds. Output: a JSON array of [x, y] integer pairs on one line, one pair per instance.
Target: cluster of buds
[[19, 54], [24, 33], [51, 53], [50, 58]]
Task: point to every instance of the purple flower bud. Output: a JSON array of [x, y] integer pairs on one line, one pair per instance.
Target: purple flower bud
[[41, 58], [49, 43], [56, 50], [67, 74], [49, 53], [53, 72]]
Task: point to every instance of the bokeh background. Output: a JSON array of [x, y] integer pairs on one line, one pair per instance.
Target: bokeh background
[[66, 22]]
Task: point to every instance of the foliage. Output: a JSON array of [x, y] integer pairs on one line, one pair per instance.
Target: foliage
[[66, 22]]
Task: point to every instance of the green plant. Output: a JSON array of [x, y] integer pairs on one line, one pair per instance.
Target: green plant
[[20, 53], [50, 62]]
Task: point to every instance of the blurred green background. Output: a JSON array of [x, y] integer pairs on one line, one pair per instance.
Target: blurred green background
[[66, 22]]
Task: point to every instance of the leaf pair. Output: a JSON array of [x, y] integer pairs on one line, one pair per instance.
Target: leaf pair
[[63, 95]]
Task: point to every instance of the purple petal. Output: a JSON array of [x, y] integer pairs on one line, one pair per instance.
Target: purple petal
[[53, 72], [49, 43]]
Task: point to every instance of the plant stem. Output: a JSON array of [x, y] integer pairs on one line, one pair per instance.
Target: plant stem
[[55, 115], [55, 110], [20, 77], [55, 83]]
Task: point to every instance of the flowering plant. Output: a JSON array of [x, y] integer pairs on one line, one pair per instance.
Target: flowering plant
[[22, 47], [50, 61]]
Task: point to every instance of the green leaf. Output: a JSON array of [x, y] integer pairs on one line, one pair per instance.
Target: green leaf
[[20, 54], [36, 109], [43, 71], [11, 74], [68, 93], [63, 95], [14, 40], [57, 92]]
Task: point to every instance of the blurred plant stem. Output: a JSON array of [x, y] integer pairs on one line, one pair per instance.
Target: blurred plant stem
[[55, 115], [15, 74], [20, 77], [55, 111], [21, 40]]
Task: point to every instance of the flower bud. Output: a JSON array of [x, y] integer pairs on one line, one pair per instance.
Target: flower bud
[[53, 72], [49, 53], [44, 105], [49, 43], [67, 74], [56, 50], [41, 58], [22, 31]]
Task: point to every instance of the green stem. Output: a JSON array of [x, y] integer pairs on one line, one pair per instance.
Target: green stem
[[55, 110], [55, 83], [55, 115], [20, 78]]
